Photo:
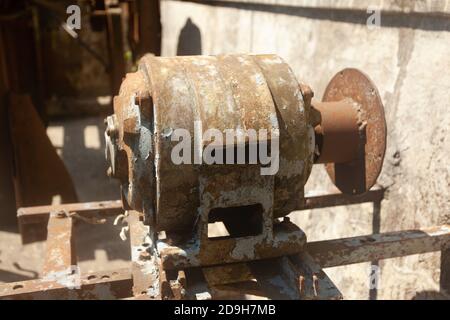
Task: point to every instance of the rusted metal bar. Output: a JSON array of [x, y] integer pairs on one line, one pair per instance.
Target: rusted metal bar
[[115, 284], [143, 266], [228, 273], [340, 199], [60, 258], [33, 220], [338, 252], [40, 214], [287, 239]]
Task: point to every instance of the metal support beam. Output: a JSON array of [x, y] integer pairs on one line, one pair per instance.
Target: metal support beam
[[40, 214], [115, 284], [33, 220], [60, 258], [143, 265], [332, 253], [301, 273]]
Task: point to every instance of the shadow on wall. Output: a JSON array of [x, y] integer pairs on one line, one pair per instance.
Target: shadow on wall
[[412, 20], [189, 40]]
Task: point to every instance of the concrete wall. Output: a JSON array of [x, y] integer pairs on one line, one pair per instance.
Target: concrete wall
[[408, 58]]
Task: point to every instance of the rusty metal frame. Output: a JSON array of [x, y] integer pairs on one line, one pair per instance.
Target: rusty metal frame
[[300, 276]]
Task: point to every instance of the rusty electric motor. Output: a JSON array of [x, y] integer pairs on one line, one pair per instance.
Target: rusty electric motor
[[346, 131]]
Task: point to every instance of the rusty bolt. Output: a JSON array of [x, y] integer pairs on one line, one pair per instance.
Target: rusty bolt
[[301, 285], [316, 285]]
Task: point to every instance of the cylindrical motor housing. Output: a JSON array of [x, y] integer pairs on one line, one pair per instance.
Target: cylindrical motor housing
[[195, 94]]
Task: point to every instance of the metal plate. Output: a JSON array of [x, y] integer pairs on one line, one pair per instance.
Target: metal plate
[[361, 174]]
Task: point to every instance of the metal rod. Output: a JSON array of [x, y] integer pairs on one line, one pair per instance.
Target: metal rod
[[141, 261], [338, 135], [115, 284], [338, 252], [41, 213]]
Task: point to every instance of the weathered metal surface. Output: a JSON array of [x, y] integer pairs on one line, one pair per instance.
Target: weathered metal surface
[[228, 273], [178, 286], [331, 253], [144, 264], [33, 220], [221, 93], [40, 214], [60, 257], [338, 134], [236, 92], [172, 288], [285, 239], [112, 285], [196, 94], [115, 284], [297, 139], [37, 214], [130, 146], [294, 276], [360, 174]]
